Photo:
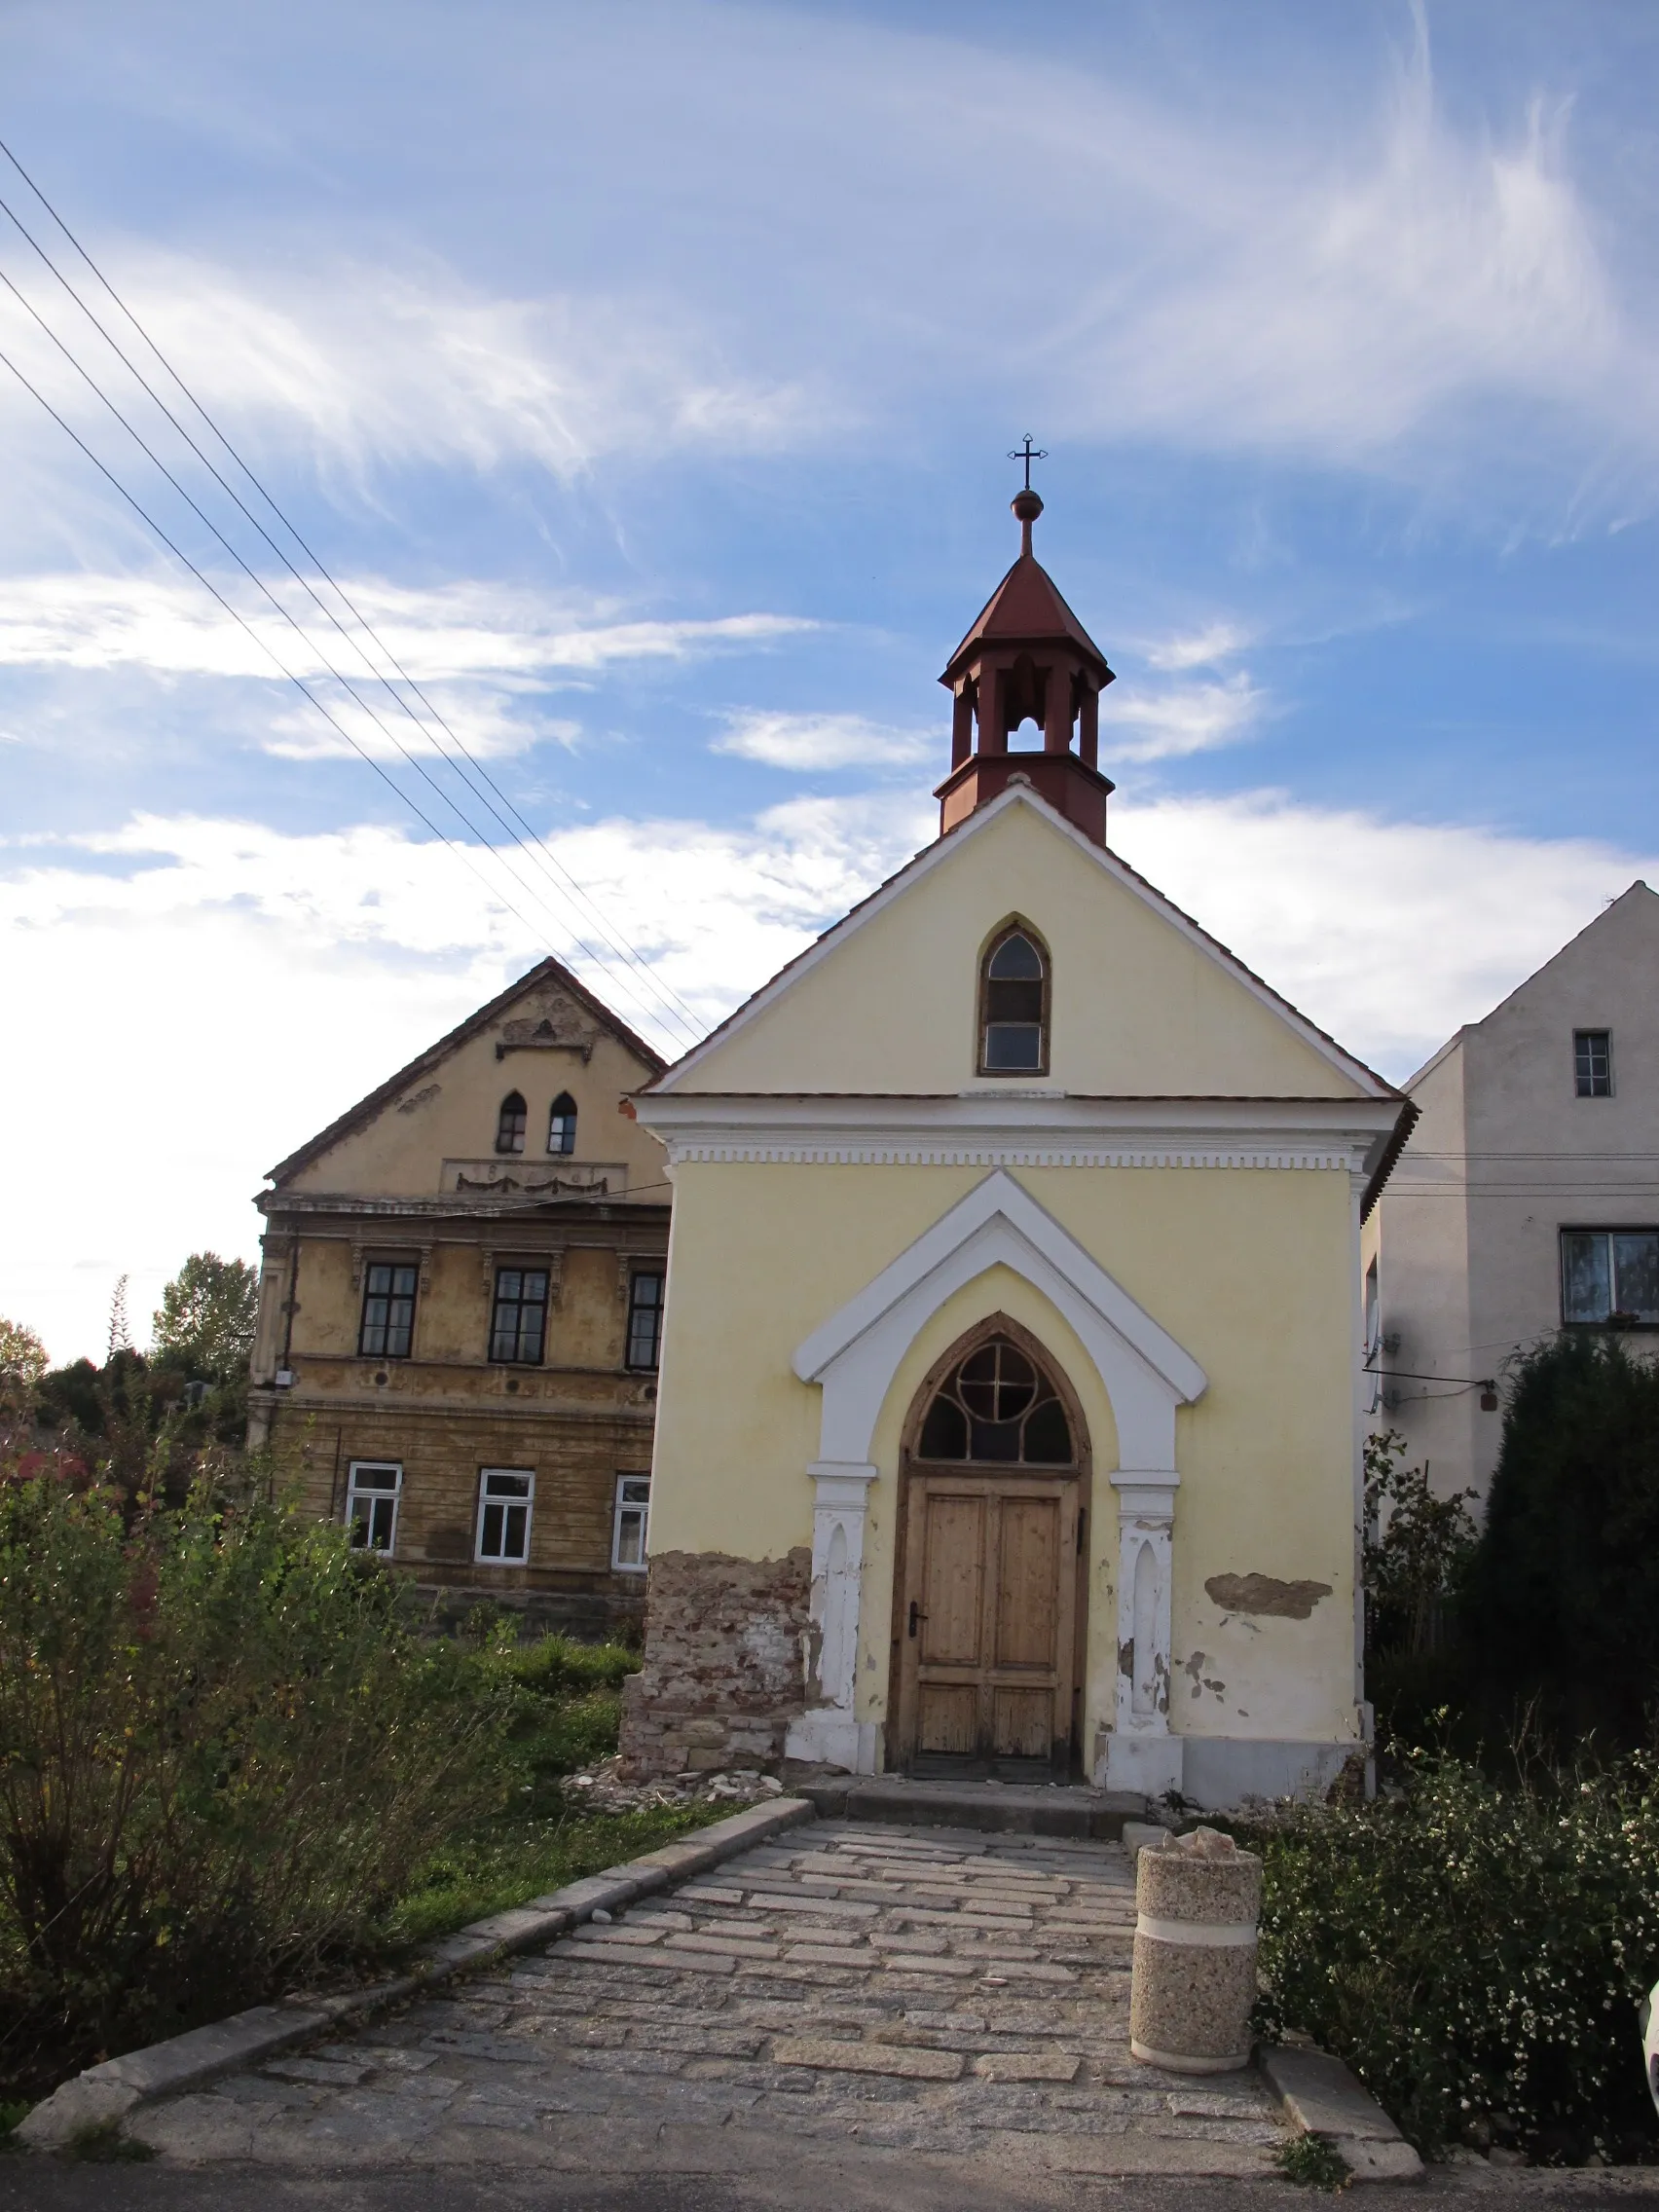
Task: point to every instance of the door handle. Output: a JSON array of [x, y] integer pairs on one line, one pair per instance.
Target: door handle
[[916, 1614]]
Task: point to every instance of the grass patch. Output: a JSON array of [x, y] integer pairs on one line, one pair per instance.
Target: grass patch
[[13, 2112], [524, 1858], [567, 1708], [1313, 2163]]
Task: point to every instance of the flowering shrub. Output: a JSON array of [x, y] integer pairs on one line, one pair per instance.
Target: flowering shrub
[[223, 1749], [1477, 1952]]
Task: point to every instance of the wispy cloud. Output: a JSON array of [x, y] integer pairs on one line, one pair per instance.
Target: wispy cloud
[[335, 957], [171, 626], [1390, 934], [1217, 640], [368, 365], [1183, 719], [804, 742]]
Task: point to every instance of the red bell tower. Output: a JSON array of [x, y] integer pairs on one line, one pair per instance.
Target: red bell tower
[[1027, 657]]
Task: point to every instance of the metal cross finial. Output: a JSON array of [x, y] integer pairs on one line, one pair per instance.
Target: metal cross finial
[[1028, 453]]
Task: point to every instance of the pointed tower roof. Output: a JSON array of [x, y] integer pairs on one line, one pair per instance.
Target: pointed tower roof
[[1027, 659], [1026, 608]]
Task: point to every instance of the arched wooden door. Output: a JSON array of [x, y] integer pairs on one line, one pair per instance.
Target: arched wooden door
[[989, 1627]]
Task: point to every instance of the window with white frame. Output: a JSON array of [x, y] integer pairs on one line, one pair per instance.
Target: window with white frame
[[633, 1515], [505, 1496], [1610, 1276], [373, 1487]]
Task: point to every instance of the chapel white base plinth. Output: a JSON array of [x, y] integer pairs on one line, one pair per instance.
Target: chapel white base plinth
[[826, 1737], [1149, 1765]]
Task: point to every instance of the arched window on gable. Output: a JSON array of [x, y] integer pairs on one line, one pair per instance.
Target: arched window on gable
[[562, 1125], [509, 1127], [998, 1407], [1014, 1006]]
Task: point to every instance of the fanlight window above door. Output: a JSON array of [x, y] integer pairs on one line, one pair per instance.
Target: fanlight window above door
[[999, 1407]]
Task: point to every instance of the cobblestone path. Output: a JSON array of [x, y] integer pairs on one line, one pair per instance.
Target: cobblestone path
[[842, 1987]]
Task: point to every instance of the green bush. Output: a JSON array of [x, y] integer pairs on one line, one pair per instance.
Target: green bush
[[223, 1751], [1477, 1952], [1563, 1594]]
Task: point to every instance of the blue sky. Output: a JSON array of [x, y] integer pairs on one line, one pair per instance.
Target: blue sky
[[646, 372]]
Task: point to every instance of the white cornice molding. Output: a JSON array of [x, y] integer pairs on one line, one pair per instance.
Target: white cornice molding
[[1022, 793], [990, 1129]]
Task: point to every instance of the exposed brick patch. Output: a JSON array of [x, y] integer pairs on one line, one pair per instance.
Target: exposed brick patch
[[724, 1672]]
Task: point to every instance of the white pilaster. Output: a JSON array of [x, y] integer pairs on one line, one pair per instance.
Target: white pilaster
[[828, 1732], [1141, 1755]]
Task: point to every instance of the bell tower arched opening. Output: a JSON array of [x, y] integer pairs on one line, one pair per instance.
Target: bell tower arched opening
[[990, 1612]]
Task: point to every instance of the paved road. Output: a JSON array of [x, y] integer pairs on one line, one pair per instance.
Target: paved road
[[859, 1988], [880, 2019]]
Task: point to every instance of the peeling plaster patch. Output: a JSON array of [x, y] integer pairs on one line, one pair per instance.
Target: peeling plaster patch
[[418, 1099], [1194, 1669], [1262, 1594], [1127, 1657]]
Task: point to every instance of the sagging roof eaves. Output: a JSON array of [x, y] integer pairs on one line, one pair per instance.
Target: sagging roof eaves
[[1409, 1116], [365, 1108], [313, 1206], [1026, 797]]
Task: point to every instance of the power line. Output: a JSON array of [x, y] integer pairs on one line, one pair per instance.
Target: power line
[[572, 890], [265, 590], [670, 1004], [236, 616]]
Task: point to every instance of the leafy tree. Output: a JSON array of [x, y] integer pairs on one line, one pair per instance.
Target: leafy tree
[[207, 1317], [1416, 1549], [23, 1362], [1563, 1588]]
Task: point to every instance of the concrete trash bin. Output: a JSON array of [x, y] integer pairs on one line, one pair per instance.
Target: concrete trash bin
[[1196, 1901]]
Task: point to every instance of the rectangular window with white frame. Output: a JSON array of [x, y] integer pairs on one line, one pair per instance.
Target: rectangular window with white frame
[[373, 1487], [1610, 1276], [505, 1498], [632, 1523]]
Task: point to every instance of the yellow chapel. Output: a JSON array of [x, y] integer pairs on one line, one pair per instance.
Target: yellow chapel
[[1010, 1411]]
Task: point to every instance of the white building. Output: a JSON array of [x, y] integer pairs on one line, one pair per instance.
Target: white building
[[1528, 1196]]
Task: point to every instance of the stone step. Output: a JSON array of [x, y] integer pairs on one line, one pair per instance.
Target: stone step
[[988, 1808]]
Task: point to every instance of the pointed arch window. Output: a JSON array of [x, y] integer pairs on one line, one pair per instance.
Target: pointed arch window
[[510, 1122], [1013, 1005], [562, 1125], [998, 1407]]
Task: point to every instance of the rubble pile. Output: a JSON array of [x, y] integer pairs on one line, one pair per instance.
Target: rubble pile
[[603, 1788]]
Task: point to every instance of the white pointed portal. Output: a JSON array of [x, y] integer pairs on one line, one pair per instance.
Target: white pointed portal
[[855, 1356]]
